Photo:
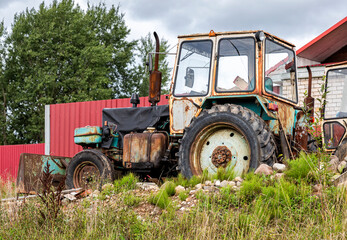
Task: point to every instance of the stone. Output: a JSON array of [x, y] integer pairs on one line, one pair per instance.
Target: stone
[[231, 183], [217, 183], [235, 188], [279, 167], [279, 175], [198, 186], [336, 176], [238, 184], [341, 166], [107, 186], [317, 188], [238, 179], [264, 169], [208, 183], [208, 188], [179, 189], [342, 185], [333, 163], [147, 186], [224, 183], [96, 193], [192, 192]]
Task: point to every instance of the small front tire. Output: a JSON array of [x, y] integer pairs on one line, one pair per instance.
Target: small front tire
[[88, 169]]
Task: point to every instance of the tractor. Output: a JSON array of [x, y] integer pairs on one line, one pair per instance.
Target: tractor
[[233, 103], [334, 123]]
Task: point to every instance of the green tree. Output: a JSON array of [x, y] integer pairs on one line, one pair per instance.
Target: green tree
[[146, 45], [61, 54], [3, 87]]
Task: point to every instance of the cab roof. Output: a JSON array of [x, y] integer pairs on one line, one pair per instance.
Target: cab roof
[[234, 33]]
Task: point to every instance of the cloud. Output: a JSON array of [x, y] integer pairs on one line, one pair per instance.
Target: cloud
[[294, 19], [297, 21]]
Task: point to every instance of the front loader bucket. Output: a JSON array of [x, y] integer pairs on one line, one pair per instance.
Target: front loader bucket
[[31, 166]]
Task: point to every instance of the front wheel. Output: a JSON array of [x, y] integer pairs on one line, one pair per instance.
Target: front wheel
[[88, 169], [226, 136]]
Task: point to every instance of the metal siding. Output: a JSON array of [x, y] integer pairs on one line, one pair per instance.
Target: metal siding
[[9, 157], [68, 116]]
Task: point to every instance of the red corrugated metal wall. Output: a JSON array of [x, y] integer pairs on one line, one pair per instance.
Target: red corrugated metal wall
[[9, 157], [64, 118]]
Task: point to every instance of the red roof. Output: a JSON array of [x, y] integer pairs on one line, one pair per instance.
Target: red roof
[[326, 44]]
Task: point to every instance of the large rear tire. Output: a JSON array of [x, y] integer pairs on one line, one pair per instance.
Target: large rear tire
[[89, 169], [226, 135]]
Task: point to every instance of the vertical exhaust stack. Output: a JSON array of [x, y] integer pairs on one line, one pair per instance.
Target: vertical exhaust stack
[[309, 100], [155, 77]]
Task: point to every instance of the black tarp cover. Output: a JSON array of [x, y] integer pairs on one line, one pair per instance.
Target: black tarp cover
[[134, 119]]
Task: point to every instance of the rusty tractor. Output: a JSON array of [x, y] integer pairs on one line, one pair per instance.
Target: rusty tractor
[[334, 123], [233, 103]]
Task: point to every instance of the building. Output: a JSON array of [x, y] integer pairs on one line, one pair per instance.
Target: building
[[327, 48]]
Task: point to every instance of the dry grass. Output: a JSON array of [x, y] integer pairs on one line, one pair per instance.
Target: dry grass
[[264, 209]]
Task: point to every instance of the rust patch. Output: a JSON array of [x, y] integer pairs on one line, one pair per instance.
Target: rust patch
[[301, 134], [30, 170], [221, 156], [144, 147]]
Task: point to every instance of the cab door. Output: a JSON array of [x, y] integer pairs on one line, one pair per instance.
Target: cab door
[[191, 81]]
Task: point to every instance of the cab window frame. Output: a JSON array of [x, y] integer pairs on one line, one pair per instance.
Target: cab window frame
[[254, 64], [178, 67], [296, 72]]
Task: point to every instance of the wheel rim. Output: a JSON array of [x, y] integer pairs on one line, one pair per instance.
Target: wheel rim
[[86, 175], [220, 145]]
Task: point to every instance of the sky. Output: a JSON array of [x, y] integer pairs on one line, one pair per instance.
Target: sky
[[297, 21]]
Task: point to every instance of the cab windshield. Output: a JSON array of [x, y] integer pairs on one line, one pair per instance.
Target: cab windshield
[[336, 98], [193, 68]]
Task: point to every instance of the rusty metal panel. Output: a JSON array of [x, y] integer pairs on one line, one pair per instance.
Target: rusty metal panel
[[9, 158], [144, 147], [31, 166], [182, 112], [64, 118], [286, 115]]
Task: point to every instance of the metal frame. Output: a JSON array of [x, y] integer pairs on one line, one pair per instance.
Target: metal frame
[[217, 65]]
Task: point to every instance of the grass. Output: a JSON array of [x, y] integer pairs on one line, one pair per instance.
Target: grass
[[7, 188], [161, 199], [264, 208]]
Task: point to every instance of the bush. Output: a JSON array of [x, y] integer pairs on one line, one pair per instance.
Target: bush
[[126, 183], [169, 188], [224, 174], [161, 199], [251, 187], [304, 167], [183, 195], [131, 200]]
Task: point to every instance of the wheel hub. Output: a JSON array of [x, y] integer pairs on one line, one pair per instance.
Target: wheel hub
[[221, 156], [86, 174]]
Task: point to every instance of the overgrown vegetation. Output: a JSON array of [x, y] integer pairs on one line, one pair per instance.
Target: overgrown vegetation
[[263, 208]]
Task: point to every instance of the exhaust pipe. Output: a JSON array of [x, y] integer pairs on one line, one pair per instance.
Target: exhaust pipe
[[309, 100], [155, 77]]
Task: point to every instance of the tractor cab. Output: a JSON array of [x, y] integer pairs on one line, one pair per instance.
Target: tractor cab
[[335, 110], [252, 68]]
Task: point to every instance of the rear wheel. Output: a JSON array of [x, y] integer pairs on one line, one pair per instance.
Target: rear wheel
[[226, 135], [88, 169]]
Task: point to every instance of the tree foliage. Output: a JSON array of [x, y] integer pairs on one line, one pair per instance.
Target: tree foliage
[[59, 54]]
